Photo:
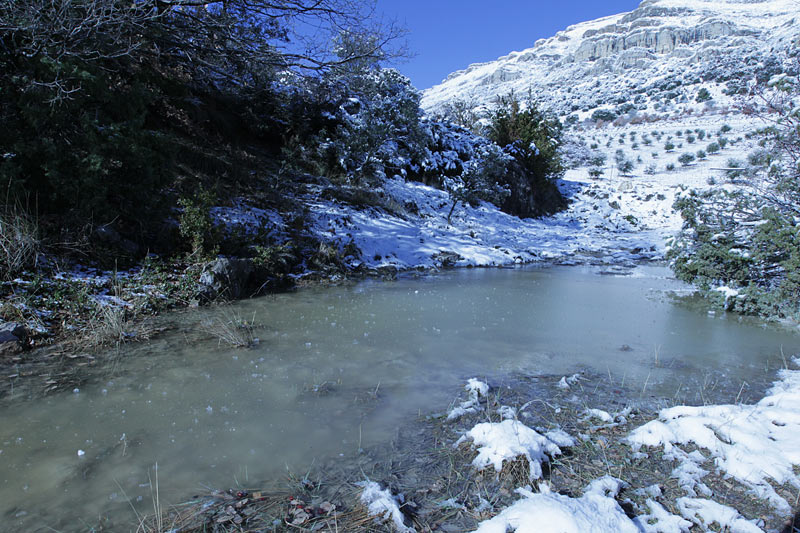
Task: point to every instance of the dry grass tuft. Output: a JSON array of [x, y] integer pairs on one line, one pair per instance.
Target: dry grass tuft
[[109, 325], [230, 328], [19, 241]]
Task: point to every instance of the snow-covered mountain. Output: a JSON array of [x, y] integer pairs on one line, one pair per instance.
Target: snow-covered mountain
[[649, 60]]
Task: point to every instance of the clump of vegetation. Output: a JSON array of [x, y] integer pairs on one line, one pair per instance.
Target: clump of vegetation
[[703, 95], [736, 169], [231, 328], [196, 225], [604, 115], [686, 159], [481, 180]]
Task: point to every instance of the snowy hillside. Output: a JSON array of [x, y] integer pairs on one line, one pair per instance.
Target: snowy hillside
[[654, 59]]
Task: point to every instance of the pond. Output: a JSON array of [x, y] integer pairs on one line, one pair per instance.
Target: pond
[[339, 369]]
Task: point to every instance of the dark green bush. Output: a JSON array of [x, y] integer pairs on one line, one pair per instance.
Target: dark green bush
[[606, 115], [703, 95], [533, 140]]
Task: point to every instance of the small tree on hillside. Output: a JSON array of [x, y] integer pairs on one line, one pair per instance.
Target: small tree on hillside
[[624, 165], [703, 95], [533, 140], [686, 159]]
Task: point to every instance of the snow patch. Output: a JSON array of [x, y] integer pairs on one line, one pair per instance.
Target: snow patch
[[549, 512], [382, 504], [706, 512], [476, 390], [659, 520], [755, 444], [509, 439]]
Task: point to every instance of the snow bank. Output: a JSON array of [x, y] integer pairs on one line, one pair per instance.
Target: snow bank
[[509, 439], [548, 512], [416, 232], [382, 504], [755, 444]]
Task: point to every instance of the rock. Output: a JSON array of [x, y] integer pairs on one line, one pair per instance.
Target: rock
[[109, 237], [12, 336], [445, 259], [229, 278]]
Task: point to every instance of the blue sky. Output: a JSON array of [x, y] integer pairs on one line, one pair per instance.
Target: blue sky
[[448, 35]]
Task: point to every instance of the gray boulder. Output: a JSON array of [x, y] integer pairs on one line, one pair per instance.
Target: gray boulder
[[226, 278], [12, 335]]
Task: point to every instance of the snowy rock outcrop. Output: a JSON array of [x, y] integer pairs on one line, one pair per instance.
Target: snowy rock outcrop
[[614, 58]]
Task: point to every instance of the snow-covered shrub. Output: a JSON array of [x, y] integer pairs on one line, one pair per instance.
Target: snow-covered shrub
[[624, 165], [596, 164], [373, 126], [482, 179], [605, 115], [736, 169], [464, 113]]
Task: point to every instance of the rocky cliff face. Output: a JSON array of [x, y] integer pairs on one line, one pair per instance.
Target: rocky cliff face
[[720, 44]]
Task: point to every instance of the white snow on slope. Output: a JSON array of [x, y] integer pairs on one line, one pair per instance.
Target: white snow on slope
[[755, 444], [481, 236], [659, 520], [592, 64]]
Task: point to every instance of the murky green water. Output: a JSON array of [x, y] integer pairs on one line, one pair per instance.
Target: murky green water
[[340, 368]]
